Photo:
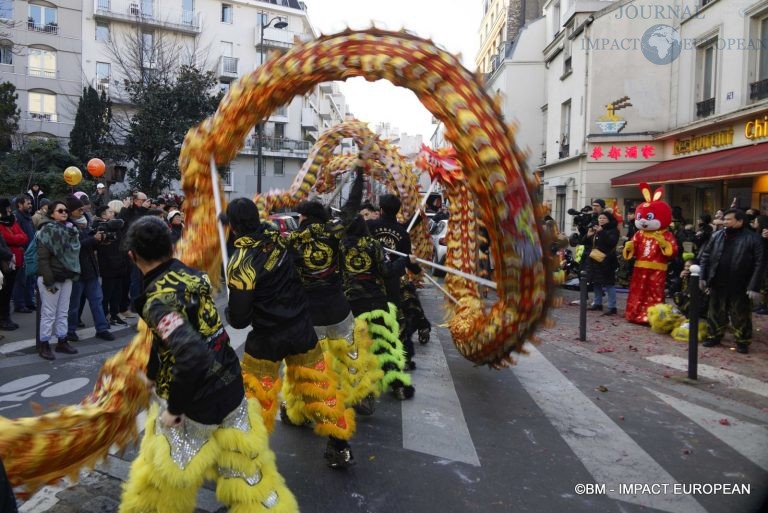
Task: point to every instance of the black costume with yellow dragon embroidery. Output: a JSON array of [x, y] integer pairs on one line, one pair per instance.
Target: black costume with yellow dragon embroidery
[[365, 272], [197, 373], [318, 258], [266, 293]]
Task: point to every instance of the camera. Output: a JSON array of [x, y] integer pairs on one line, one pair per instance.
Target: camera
[[583, 220], [110, 229]]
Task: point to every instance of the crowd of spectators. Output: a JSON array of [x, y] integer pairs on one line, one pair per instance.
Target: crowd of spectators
[[73, 253]]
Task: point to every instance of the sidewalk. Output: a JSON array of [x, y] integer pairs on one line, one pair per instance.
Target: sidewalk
[[664, 357]]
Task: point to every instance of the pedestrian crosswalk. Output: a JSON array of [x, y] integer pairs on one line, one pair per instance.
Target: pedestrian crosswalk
[[595, 444], [730, 379]]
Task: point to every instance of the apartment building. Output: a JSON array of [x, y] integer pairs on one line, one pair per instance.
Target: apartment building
[[51, 50], [40, 54], [232, 38], [499, 29]]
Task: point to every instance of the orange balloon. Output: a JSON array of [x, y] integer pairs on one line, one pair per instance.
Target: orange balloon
[[96, 167], [73, 176]]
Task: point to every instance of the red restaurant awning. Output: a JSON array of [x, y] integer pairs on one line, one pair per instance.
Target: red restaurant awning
[[744, 161]]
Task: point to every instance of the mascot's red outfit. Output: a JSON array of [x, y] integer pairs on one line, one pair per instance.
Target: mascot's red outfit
[[652, 247]]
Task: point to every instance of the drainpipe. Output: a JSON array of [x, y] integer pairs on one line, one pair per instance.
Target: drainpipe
[[583, 186]]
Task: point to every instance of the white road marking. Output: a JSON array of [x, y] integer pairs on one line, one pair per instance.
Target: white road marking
[[728, 378], [749, 440], [433, 421], [84, 333], [607, 452]]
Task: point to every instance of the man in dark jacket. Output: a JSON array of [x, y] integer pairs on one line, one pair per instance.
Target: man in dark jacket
[[393, 235], [112, 264], [732, 267], [24, 286], [136, 206], [88, 283]]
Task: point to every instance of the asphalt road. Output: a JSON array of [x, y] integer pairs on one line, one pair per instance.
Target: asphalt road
[[568, 429]]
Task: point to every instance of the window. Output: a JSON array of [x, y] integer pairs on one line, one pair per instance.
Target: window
[[226, 13], [763, 50], [148, 49], [565, 129], [42, 106], [187, 11], [147, 8], [102, 31], [555, 19], [706, 78], [6, 52], [758, 90], [6, 9], [227, 48], [42, 19], [103, 73], [279, 130], [279, 167], [42, 63]]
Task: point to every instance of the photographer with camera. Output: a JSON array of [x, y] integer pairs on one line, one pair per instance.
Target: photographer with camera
[[88, 284], [582, 219], [112, 262]]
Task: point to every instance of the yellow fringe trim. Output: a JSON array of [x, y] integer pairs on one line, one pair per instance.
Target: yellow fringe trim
[[311, 392], [360, 376], [157, 484], [261, 379], [387, 346]]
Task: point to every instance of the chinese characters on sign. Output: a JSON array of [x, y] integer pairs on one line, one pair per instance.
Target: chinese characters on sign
[[628, 152]]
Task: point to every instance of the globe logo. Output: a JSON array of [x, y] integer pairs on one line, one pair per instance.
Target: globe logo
[[661, 44]]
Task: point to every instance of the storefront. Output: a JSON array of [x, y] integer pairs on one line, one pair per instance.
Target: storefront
[[712, 168]]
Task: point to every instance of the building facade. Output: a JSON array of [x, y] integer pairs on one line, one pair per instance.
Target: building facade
[[58, 48], [635, 89], [500, 27], [40, 54]]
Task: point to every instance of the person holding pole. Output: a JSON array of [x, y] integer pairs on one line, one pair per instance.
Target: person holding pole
[[265, 292], [393, 235], [315, 246], [204, 428]]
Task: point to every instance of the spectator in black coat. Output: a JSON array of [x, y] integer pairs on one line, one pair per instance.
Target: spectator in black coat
[[602, 269], [112, 264]]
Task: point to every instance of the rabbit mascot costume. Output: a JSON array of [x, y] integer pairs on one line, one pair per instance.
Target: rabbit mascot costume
[[652, 247]]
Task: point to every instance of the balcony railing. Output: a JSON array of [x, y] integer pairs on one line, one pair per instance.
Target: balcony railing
[[43, 116], [48, 28], [114, 89], [279, 38], [705, 108], [227, 67], [102, 85], [148, 12], [41, 72], [277, 144], [758, 90]]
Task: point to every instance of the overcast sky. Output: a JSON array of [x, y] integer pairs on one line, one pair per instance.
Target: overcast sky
[[453, 25]]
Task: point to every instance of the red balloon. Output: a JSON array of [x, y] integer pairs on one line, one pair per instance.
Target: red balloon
[[96, 167]]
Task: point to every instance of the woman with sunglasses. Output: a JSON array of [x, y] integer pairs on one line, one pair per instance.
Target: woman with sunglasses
[[58, 264]]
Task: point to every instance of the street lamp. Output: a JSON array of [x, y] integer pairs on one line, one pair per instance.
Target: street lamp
[[280, 24]]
